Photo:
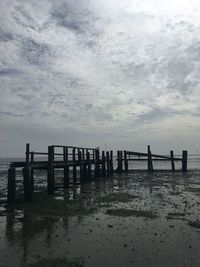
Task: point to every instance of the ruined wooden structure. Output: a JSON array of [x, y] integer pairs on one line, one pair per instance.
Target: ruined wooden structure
[[124, 157], [83, 162], [79, 164]]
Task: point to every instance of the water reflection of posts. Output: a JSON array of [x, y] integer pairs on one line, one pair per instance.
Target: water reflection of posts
[[11, 185], [10, 219]]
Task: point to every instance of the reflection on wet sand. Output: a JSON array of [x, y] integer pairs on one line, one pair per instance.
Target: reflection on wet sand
[[136, 220]]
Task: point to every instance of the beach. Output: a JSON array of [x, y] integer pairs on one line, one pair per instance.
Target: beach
[[134, 219]]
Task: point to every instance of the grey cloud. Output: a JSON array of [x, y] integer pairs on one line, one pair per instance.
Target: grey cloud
[[5, 36], [34, 52], [74, 15], [82, 68], [9, 72]]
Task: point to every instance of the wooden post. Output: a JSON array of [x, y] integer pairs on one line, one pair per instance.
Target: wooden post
[[74, 159], [89, 165], [83, 154], [96, 163], [118, 161], [184, 160], [111, 162], [103, 164], [107, 163], [172, 160], [11, 185], [125, 161], [50, 178], [66, 168], [81, 164], [150, 164], [32, 172], [28, 190], [27, 152]]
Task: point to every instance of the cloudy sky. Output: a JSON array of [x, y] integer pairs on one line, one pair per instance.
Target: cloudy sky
[[115, 74]]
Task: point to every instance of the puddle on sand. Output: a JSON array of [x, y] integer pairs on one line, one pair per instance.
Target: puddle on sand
[[146, 223]]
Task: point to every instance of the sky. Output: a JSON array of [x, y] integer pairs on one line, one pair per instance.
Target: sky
[[119, 74]]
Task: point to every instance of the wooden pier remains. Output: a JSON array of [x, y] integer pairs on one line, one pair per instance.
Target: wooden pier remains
[[79, 164], [124, 157], [83, 161]]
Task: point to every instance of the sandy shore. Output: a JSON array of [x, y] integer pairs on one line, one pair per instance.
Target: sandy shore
[[138, 219]]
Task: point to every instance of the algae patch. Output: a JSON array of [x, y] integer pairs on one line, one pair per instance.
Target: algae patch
[[132, 212]]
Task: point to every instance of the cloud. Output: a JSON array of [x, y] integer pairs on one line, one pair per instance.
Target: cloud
[[101, 69]]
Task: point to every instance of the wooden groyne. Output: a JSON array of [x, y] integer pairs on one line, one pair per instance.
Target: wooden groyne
[[88, 163], [124, 157]]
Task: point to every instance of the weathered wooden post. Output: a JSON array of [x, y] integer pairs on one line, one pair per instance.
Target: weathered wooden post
[[125, 161], [184, 160], [50, 177], [103, 164], [27, 177], [32, 171], [96, 163], [172, 160], [27, 152], [74, 166], [66, 168], [111, 162], [11, 185], [89, 165], [108, 163], [80, 164], [83, 154], [119, 159], [150, 163]]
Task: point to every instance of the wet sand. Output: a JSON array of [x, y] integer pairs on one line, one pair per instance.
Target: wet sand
[[139, 219]]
